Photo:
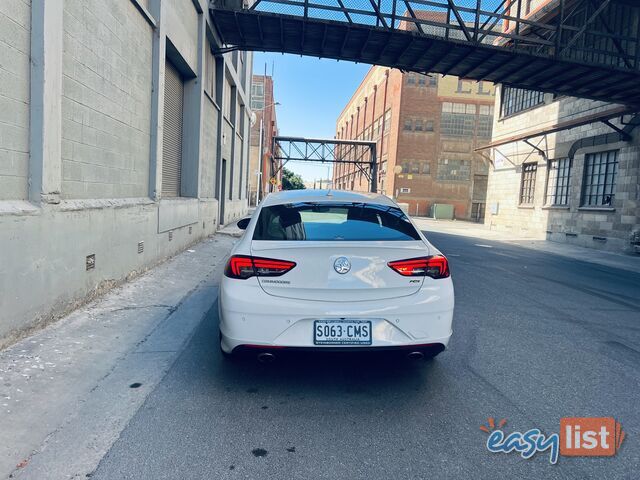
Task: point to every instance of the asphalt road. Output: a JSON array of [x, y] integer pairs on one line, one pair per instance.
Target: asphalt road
[[537, 337]]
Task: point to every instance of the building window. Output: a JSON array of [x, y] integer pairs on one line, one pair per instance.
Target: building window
[[600, 170], [411, 78], [433, 81], [408, 124], [426, 168], [558, 182], [257, 96], [458, 119], [515, 100], [418, 125], [210, 73], [428, 127], [422, 80], [528, 183], [450, 170], [405, 190], [387, 121]]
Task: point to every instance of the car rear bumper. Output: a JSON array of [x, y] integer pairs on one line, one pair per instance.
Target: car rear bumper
[[250, 318], [428, 349]]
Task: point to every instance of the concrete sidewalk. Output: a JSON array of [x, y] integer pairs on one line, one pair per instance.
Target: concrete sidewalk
[[481, 232], [67, 392]]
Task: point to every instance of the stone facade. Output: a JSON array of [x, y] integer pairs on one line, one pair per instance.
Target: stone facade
[[607, 226], [81, 145]]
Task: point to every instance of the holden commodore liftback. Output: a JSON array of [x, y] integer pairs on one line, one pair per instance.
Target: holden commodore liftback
[[332, 270]]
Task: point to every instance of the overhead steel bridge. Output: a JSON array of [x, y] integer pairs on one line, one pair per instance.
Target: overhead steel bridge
[[360, 153], [583, 48]]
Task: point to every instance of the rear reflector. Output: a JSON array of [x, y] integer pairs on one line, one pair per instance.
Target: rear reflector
[[435, 266], [244, 266]]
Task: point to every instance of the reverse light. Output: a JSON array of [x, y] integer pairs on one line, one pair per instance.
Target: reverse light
[[436, 266], [244, 266]]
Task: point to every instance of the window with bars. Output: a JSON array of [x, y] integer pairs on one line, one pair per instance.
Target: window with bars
[[600, 171], [528, 183], [515, 100], [558, 182]]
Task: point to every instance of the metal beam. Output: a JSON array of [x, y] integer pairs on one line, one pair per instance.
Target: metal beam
[[456, 13], [576, 37], [558, 127]]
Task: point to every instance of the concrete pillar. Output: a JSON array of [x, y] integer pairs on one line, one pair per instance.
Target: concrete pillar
[[157, 100], [45, 142], [193, 120]]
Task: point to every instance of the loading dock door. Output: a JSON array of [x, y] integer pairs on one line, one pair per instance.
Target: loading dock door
[[172, 131]]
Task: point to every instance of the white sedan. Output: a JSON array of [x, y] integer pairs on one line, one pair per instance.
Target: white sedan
[[328, 270]]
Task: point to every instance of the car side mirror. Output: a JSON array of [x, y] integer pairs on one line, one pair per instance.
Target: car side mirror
[[243, 223]]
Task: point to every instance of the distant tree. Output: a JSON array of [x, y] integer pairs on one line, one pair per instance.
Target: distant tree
[[291, 181]]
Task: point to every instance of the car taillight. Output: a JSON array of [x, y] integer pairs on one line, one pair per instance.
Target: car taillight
[[435, 266], [244, 266]]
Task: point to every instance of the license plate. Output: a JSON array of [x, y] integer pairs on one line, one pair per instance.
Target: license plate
[[342, 332]]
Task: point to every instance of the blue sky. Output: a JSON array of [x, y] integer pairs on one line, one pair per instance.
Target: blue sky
[[312, 93]]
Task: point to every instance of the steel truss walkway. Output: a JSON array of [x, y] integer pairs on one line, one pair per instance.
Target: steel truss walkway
[[583, 48], [360, 153]]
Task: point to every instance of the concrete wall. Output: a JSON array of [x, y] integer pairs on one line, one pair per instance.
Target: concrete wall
[[607, 228], [208, 176], [81, 148], [15, 44], [106, 100]]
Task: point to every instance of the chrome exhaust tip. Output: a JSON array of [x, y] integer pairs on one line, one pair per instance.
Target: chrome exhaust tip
[[415, 355], [266, 357]]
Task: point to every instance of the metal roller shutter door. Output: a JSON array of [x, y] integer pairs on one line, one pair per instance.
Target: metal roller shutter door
[[172, 132]]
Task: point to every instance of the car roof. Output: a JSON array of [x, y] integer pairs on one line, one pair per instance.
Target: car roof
[[310, 195]]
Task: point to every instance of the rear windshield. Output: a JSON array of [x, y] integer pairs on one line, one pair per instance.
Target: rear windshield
[[333, 221]]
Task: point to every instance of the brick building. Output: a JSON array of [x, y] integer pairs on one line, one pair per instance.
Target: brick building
[[264, 128], [124, 139], [426, 128]]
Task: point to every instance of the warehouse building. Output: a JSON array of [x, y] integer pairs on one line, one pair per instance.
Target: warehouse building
[[426, 128], [123, 139], [565, 169], [568, 169], [263, 131]]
